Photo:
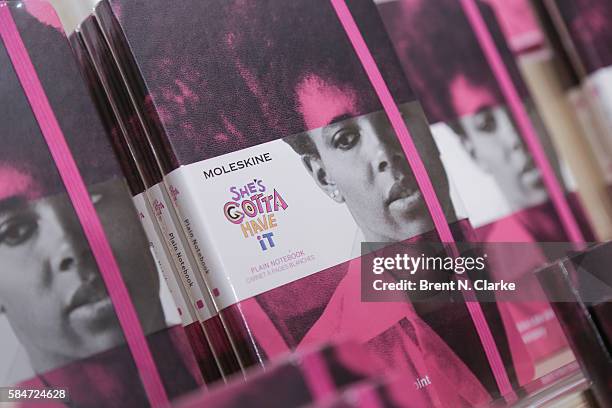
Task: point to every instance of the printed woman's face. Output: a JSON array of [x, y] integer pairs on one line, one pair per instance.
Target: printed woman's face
[[361, 162], [490, 136], [494, 142], [50, 287]]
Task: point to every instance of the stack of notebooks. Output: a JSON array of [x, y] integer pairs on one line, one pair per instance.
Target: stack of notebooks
[[190, 189], [291, 165], [73, 249], [561, 101]]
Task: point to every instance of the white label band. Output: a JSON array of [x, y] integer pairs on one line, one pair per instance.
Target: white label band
[[263, 217], [185, 264], [162, 261]]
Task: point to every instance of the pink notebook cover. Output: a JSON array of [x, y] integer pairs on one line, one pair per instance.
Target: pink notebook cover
[[481, 144], [588, 25], [278, 82], [193, 330], [57, 317]]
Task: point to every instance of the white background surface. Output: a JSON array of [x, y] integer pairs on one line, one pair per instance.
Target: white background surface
[[478, 190]]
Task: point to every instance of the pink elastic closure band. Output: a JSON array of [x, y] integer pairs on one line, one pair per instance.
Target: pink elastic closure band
[[317, 377], [84, 208], [423, 181], [570, 225]]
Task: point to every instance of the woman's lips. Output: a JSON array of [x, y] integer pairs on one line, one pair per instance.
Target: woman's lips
[[403, 196], [90, 302], [95, 315], [531, 177]]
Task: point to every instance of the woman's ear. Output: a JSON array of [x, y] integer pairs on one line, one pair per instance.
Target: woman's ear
[[317, 170]]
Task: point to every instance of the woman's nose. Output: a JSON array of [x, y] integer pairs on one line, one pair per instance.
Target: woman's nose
[[387, 154], [72, 255], [66, 263], [518, 149], [383, 165], [72, 251]]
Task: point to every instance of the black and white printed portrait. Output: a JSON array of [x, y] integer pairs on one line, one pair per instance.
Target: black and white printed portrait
[[358, 161], [54, 306], [51, 292], [492, 139], [480, 141]]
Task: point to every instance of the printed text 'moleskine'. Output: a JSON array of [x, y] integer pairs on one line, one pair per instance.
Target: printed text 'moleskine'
[[237, 165]]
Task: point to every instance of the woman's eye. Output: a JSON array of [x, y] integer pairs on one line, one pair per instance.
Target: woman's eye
[[18, 230], [345, 139], [485, 121]]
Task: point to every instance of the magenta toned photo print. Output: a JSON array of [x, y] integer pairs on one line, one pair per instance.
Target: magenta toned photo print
[[293, 126], [209, 203], [58, 320]]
